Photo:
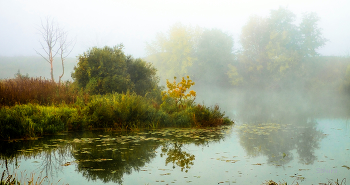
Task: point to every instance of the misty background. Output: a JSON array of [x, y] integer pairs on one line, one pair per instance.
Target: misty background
[[136, 22], [141, 25]]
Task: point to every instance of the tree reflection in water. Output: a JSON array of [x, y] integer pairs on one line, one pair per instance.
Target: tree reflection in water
[[176, 156], [52, 154], [276, 128], [109, 157]]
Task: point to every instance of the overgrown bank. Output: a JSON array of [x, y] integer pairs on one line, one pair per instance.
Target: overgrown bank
[[114, 111], [110, 90]]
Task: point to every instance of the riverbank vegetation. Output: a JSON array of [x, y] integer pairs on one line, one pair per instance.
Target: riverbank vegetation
[[110, 90]]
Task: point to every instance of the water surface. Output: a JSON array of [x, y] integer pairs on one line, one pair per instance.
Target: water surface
[[310, 151]]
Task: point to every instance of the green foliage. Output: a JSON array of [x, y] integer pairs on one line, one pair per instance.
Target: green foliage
[[142, 75], [177, 156], [214, 53], [274, 49], [326, 74], [174, 53], [115, 111], [107, 70], [103, 70], [183, 50], [345, 86], [122, 111], [209, 117], [311, 34], [20, 75], [182, 110], [34, 120], [195, 115]]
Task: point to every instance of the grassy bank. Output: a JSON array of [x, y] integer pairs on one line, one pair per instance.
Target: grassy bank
[[115, 111], [32, 107]]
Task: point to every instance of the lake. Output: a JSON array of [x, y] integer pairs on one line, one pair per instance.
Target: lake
[[278, 139], [242, 154]]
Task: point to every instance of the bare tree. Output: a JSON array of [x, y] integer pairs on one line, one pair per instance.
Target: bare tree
[[54, 41], [66, 47]]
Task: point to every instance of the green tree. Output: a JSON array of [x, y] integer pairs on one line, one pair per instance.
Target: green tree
[[274, 49], [103, 70], [173, 53], [214, 53], [252, 59], [107, 70], [311, 34], [142, 75], [283, 49]]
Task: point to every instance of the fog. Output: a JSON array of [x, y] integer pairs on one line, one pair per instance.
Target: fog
[[135, 22], [317, 86]]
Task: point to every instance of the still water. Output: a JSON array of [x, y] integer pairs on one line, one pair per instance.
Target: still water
[[310, 151]]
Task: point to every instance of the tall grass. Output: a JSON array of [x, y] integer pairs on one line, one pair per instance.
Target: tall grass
[[31, 120], [114, 111], [22, 90], [31, 107], [124, 111]]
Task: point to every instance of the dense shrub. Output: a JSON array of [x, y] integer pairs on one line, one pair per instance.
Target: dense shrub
[[142, 75], [209, 117], [123, 111], [108, 70]]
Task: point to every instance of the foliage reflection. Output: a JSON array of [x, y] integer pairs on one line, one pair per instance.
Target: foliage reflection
[[278, 129], [98, 156]]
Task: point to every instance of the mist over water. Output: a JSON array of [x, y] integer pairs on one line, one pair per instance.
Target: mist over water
[[281, 75]]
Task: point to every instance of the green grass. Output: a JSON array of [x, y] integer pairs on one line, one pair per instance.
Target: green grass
[[32, 107], [114, 111]]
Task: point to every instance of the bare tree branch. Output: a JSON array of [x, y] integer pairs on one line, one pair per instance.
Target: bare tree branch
[[65, 49], [53, 41]]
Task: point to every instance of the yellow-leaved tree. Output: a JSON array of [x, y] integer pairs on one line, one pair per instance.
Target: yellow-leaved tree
[[177, 91]]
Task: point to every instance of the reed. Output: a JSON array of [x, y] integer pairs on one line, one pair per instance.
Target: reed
[[23, 90], [23, 179]]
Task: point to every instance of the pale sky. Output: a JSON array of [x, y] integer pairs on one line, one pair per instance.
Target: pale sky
[[135, 22]]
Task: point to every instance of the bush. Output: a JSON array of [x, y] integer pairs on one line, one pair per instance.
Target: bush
[[120, 111], [108, 70], [209, 117]]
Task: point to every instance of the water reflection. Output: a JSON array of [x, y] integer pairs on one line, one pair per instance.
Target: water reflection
[[279, 128], [51, 155], [177, 156], [109, 156]]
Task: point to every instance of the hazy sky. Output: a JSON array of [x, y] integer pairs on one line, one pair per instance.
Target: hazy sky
[[135, 22]]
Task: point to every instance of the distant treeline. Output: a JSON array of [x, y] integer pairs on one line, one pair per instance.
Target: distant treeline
[[276, 53]]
